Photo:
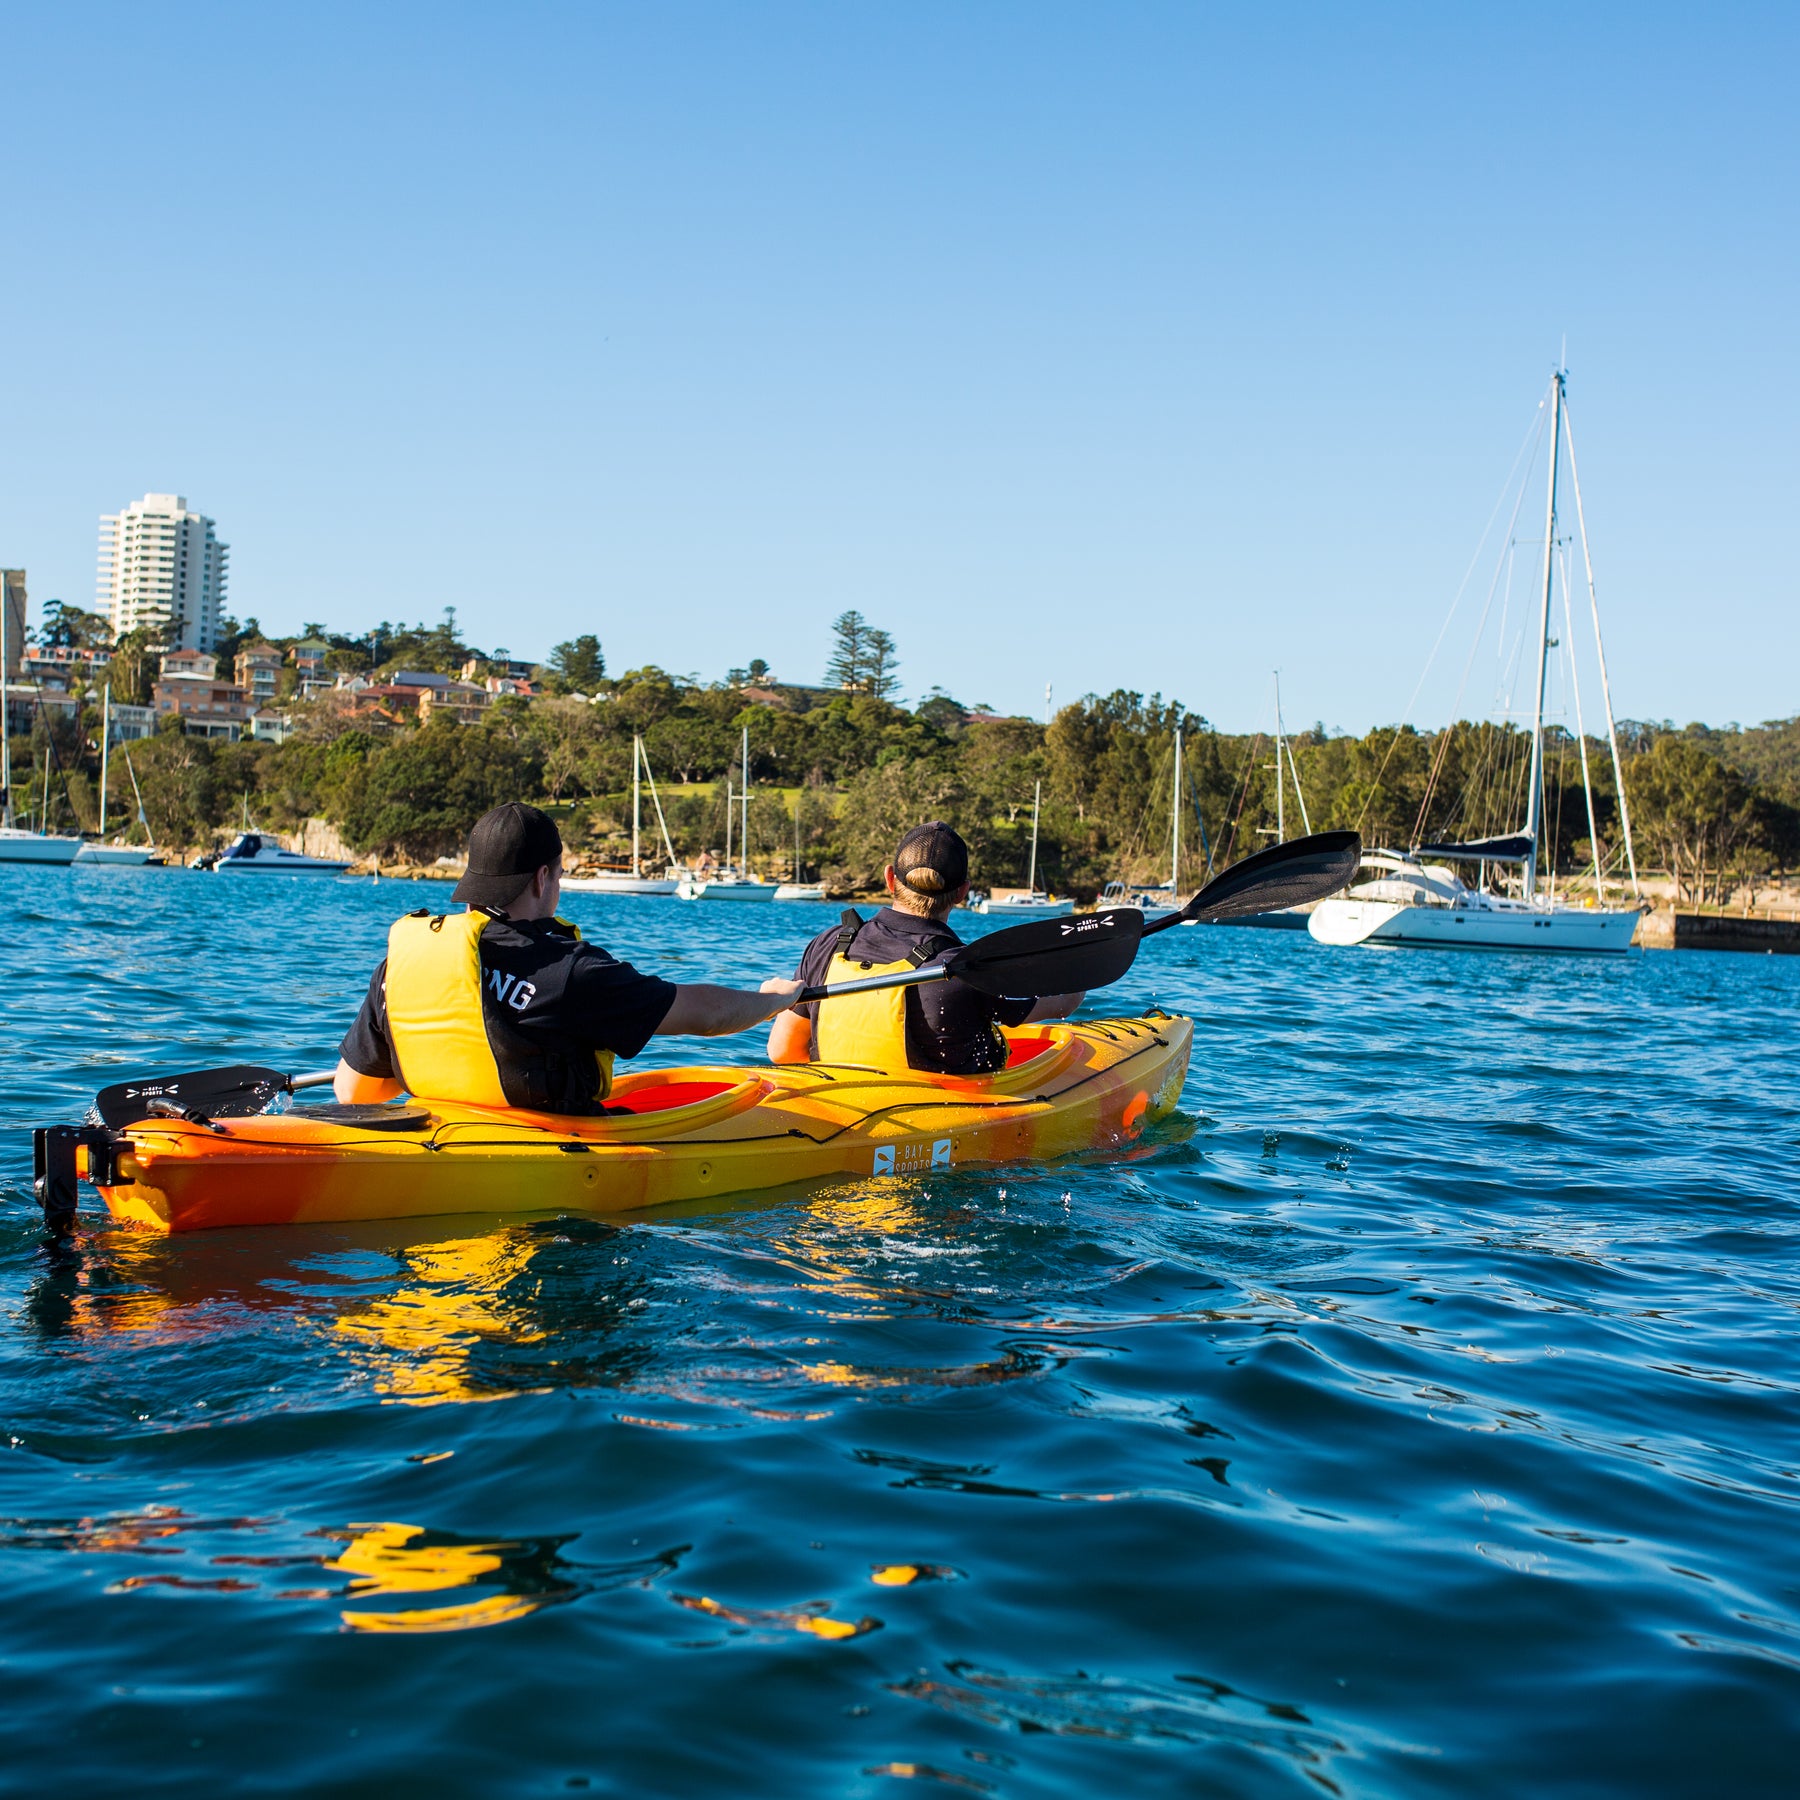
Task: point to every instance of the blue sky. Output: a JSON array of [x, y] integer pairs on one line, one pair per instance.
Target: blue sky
[[1141, 346]]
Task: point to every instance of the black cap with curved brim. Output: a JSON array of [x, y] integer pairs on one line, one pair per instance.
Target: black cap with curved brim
[[932, 860], [507, 847]]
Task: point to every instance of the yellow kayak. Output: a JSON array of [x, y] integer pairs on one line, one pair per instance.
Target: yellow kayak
[[676, 1134]]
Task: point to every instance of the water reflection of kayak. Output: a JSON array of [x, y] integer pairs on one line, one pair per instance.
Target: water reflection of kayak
[[680, 1134]]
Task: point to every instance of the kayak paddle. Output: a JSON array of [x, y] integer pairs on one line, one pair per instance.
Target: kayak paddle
[[1091, 950], [238, 1092]]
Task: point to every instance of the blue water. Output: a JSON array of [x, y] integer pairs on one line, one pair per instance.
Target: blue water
[[1418, 1415]]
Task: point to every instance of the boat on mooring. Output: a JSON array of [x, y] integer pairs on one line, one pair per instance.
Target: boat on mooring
[[1031, 902], [634, 881], [255, 853], [19, 843], [730, 882], [1416, 896]]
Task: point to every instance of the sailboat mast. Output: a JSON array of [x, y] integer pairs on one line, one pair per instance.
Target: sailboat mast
[[1612, 730], [1534, 804], [1037, 800], [1175, 808], [744, 835], [105, 746], [637, 795], [1280, 784], [730, 802]]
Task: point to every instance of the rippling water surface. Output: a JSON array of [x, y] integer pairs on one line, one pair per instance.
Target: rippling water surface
[[1418, 1415]]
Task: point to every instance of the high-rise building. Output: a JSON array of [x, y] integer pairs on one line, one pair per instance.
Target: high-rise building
[[12, 586], [162, 568]]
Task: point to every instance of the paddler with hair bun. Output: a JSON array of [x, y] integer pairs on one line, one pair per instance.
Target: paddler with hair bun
[[945, 1027], [506, 1005]]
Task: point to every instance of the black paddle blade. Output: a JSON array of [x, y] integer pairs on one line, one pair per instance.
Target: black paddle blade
[[233, 1093], [1287, 874], [1051, 956]]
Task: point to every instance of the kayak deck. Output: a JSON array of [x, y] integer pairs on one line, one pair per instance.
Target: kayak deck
[[674, 1134]]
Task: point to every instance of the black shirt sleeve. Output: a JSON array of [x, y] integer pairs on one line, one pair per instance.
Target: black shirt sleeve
[[365, 1047], [618, 1008]]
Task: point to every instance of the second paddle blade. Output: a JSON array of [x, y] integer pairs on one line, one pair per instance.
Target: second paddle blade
[[1288, 874], [237, 1092], [1051, 956]]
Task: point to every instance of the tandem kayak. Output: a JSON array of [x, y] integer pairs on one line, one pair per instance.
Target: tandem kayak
[[669, 1135]]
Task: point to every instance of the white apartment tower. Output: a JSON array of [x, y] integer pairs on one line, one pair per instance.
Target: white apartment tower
[[163, 568]]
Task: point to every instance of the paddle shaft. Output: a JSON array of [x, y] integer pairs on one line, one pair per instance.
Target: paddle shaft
[[870, 984]]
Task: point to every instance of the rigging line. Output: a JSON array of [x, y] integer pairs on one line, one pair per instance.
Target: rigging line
[[1534, 434], [1587, 785], [1612, 734], [1243, 795]]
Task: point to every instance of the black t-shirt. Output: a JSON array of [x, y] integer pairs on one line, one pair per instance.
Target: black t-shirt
[[949, 1025], [549, 1001]]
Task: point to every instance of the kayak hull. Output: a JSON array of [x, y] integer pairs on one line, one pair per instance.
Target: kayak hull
[[695, 1133]]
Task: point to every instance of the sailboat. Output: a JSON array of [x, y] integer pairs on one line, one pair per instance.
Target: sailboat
[[730, 883], [1417, 901], [119, 855], [1287, 918], [1032, 903], [19, 843], [1150, 901], [616, 881], [799, 888]]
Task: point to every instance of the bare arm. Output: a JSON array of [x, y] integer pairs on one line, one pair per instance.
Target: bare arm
[[353, 1089], [1054, 1006], [790, 1038], [702, 1010]]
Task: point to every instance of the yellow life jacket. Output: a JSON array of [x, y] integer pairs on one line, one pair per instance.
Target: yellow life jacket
[[443, 1041], [867, 1030]]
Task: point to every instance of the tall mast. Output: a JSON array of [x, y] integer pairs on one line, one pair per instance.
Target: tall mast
[[1612, 731], [1175, 808], [1534, 804], [105, 745], [744, 835], [637, 750], [1280, 785], [1037, 800], [729, 803]]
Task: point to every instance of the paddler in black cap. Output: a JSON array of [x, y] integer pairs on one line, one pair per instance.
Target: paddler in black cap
[[505, 1005], [946, 1027]]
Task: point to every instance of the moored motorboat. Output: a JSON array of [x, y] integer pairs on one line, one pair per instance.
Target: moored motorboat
[[253, 853], [800, 890], [669, 1135]]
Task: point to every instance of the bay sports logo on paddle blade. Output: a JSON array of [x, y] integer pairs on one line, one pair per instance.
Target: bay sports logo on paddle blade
[[1088, 924], [909, 1159]]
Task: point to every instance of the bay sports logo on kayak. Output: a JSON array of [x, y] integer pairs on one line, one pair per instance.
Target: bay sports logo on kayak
[[911, 1159]]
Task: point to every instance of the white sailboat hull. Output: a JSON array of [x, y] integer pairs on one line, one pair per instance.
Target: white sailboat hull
[[37, 847], [619, 884], [800, 890], [115, 856], [725, 890], [1033, 908], [1516, 927]]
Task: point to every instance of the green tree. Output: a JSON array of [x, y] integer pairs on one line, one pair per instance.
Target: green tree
[[881, 665], [848, 663], [578, 666], [1693, 807]]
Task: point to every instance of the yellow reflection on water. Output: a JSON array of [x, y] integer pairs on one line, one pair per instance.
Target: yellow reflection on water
[[422, 1334], [809, 1617], [391, 1558]]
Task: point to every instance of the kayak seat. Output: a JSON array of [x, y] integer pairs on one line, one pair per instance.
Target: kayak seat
[[1024, 1049], [665, 1096]]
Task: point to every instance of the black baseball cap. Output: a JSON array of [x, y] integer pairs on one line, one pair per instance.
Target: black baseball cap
[[932, 860], [507, 847]]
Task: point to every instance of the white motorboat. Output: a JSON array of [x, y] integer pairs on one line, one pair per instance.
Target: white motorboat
[[251, 853], [729, 882], [1428, 903], [118, 854], [1417, 901], [800, 890], [634, 880], [18, 843], [1030, 902]]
